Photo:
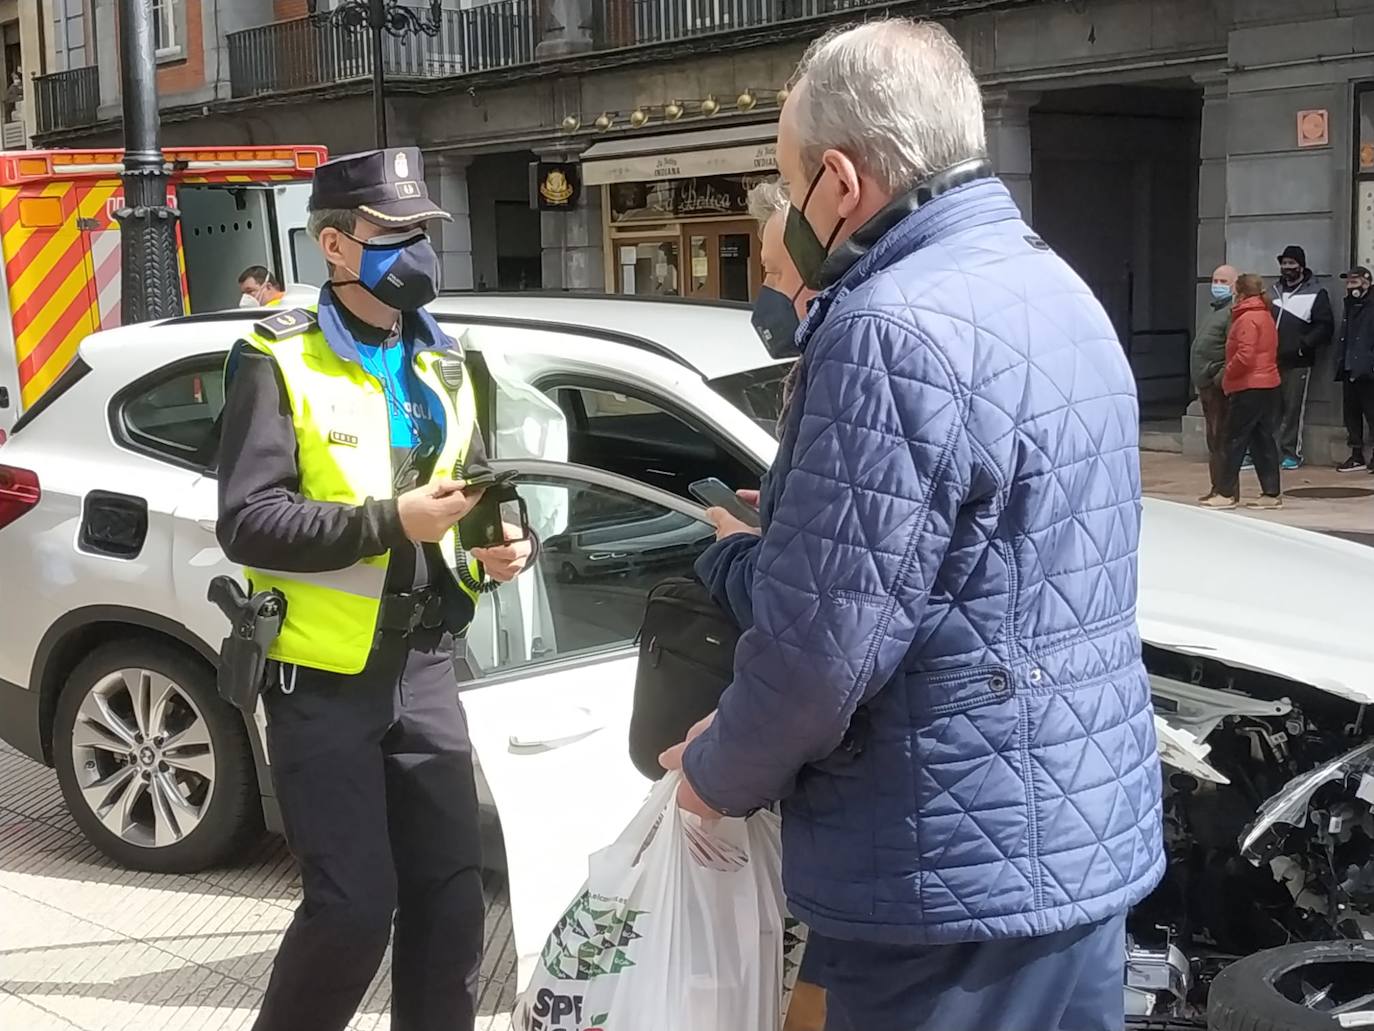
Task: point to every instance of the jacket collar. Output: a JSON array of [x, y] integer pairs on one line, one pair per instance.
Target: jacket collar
[[1306, 285], [419, 331], [905, 226], [1222, 302]]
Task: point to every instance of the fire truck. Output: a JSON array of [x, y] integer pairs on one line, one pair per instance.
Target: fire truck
[[237, 207]]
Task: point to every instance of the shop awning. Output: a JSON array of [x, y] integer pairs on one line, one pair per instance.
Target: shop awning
[[681, 155]]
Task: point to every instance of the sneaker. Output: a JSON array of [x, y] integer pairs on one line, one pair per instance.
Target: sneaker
[[1247, 462], [1290, 464], [1353, 464], [1268, 502], [1211, 494], [1220, 501]]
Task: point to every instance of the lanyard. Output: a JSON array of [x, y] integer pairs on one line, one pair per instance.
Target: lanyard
[[391, 389]]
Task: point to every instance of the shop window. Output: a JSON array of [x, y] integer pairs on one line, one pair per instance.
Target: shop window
[[649, 268], [1364, 177]]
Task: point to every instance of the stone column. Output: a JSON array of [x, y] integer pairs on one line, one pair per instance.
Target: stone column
[[565, 28], [1007, 115], [1211, 226], [572, 242], [447, 180]]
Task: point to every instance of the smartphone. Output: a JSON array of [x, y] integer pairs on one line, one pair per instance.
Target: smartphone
[[485, 525], [715, 494]]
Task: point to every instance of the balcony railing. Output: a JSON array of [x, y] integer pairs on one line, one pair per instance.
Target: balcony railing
[[67, 100], [305, 52], [627, 23]]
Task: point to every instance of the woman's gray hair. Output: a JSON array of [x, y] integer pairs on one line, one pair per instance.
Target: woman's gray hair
[[344, 220], [767, 199], [896, 96]]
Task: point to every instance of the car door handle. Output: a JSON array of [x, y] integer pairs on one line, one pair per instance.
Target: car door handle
[[555, 731]]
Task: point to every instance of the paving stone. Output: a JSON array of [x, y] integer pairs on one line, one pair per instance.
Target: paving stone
[[88, 946]]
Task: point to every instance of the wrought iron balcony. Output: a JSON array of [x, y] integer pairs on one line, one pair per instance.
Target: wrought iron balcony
[[67, 100], [628, 23], [306, 52]]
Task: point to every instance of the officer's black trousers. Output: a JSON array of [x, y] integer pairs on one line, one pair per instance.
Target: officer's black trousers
[[374, 777]]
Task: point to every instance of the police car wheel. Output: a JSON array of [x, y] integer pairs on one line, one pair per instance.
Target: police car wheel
[[156, 769]]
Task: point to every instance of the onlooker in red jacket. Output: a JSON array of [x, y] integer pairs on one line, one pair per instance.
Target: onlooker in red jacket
[[1251, 382]]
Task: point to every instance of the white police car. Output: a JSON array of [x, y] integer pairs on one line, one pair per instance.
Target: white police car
[[609, 408]]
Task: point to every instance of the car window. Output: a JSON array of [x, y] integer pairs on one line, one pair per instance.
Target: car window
[[639, 437], [174, 415], [758, 393], [602, 548], [607, 404]]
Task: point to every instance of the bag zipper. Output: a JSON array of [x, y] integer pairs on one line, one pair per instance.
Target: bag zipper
[[657, 651]]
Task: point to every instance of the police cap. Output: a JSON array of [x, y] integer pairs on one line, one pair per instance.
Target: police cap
[[386, 187]]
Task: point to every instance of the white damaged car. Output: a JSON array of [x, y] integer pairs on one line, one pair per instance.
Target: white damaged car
[[1257, 640]]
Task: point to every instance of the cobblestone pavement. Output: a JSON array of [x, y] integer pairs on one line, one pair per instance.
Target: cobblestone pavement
[[87, 945]]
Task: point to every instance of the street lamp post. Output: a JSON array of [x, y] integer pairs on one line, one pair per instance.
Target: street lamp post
[[151, 275], [380, 18]]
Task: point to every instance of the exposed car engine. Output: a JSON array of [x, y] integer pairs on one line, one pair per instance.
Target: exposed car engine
[[1268, 826]]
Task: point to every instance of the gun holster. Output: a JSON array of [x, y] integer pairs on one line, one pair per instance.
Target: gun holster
[[255, 623]]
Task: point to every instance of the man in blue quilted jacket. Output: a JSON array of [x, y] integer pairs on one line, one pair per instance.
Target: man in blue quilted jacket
[[942, 683]]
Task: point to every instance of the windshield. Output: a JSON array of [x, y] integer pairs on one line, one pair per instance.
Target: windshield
[[757, 393]]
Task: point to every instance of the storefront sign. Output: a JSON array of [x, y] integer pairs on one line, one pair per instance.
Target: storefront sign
[[756, 157], [717, 195], [555, 186]]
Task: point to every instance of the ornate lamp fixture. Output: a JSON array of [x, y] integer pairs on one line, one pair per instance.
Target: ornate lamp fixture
[[380, 18]]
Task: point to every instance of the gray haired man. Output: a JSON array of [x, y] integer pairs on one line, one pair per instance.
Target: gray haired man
[[942, 682]]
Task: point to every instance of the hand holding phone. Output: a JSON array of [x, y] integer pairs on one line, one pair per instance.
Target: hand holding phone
[[715, 494], [429, 511]]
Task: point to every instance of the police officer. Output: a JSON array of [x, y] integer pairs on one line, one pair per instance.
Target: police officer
[[347, 434]]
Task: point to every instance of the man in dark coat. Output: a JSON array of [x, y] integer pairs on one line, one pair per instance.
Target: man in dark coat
[[1355, 365], [1302, 311]]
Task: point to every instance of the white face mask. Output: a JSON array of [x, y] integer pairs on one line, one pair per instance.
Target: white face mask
[[248, 301]]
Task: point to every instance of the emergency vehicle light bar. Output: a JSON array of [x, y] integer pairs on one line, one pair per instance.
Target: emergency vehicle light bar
[[32, 166]]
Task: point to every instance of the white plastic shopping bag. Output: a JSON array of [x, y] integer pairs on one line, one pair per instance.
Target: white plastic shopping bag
[[680, 928]]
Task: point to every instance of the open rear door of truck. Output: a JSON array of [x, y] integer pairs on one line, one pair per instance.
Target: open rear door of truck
[[301, 261]]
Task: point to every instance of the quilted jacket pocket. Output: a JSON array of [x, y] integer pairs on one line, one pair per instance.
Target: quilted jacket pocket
[[960, 690]]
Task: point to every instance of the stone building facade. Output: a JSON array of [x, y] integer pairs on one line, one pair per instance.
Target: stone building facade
[[1146, 140]]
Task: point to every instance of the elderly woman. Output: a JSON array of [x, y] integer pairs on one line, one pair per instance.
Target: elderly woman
[[727, 567], [781, 304]]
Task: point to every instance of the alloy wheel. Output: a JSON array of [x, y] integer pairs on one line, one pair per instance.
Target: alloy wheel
[[143, 757]]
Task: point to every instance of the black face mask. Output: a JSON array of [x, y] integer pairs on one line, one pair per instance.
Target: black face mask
[[402, 274], [775, 321], [804, 247]]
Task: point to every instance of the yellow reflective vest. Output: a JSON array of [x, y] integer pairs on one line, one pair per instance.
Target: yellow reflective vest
[[343, 446]]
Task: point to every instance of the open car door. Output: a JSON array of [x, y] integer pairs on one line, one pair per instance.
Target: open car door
[[550, 727]]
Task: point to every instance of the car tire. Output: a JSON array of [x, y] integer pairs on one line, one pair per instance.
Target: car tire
[[199, 804], [1249, 994]]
